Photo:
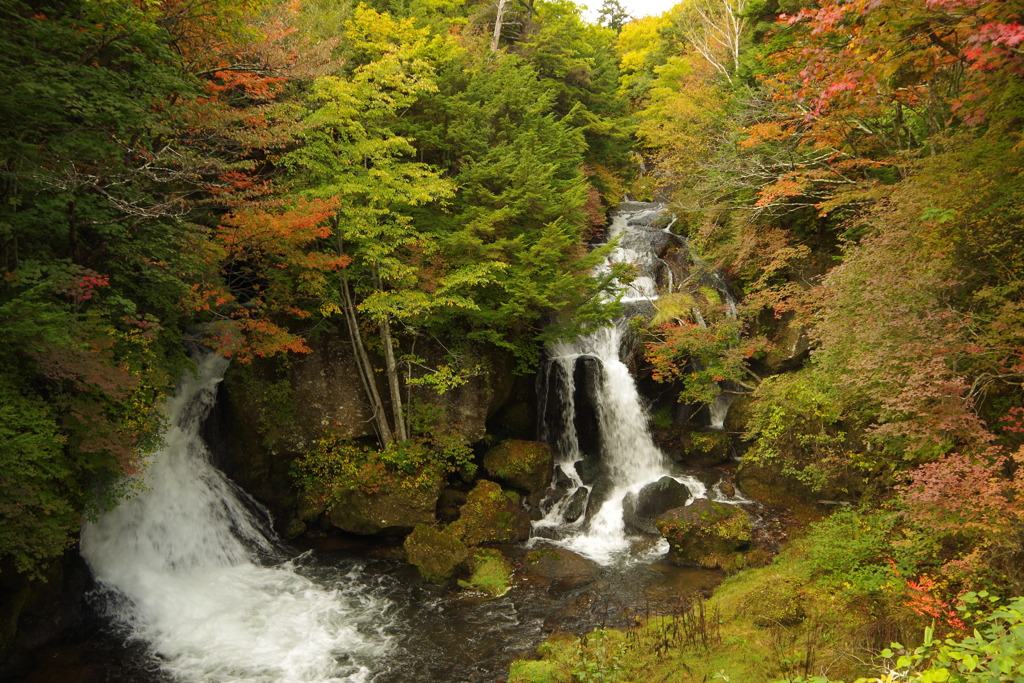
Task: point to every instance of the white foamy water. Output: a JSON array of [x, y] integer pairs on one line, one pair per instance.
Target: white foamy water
[[181, 565], [629, 458]]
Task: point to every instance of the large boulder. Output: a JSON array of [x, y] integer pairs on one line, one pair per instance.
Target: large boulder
[[639, 510], [705, 533], [436, 553], [491, 515], [524, 465], [559, 566], [705, 449], [395, 510]]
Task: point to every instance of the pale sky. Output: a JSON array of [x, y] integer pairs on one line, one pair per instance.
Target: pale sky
[[637, 8]]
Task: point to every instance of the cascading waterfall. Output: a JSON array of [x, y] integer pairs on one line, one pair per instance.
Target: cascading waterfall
[[629, 458], [180, 568]]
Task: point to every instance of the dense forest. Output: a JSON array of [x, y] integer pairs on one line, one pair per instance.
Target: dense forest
[[256, 176]]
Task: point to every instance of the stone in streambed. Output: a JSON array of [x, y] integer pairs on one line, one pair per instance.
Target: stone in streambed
[[576, 506], [436, 553], [491, 515], [559, 566], [705, 533], [523, 465], [395, 510], [639, 510]]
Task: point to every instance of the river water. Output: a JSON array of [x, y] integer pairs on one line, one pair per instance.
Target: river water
[[193, 585]]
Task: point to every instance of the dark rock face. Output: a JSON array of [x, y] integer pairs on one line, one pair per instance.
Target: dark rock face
[[397, 510], [705, 532], [640, 510], [588, 378], [274, 412], [491, 515], [588, 469], [599, 493], [524, 465], [790, 344]]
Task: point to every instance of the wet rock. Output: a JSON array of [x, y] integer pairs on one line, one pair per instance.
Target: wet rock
[[436, 553], [561, 479], [576, 506], [553, 565], [706, 533], [491, 515], [396, 510], [588, 468], [599, 493], [641, 509], [588, 378], [524, 465]]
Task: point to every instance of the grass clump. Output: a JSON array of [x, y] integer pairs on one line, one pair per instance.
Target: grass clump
[[491, 573]]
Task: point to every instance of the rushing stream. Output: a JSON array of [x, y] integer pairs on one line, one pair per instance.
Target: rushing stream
[[193, 585], [191, 567]]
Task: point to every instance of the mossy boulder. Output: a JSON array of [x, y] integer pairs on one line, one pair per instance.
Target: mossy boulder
[[705, 449], [705, 533], [524, 465], [787, 486], [490, 572], [395, 510], [436, 553], [491, 515]]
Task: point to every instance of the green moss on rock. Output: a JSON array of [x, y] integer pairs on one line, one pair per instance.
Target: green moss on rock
[[436, 553], [705, 532], [491, 573], [397, 509], [525, 465], [536, 671], [491, 515]]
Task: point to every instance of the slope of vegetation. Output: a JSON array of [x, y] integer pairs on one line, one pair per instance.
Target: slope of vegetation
[[855, 170]]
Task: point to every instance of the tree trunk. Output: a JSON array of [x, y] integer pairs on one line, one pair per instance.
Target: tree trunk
[[394, 385], [498, 21], [365, 367]]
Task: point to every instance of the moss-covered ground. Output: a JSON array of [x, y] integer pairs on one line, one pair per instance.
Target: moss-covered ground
[[782, 622]]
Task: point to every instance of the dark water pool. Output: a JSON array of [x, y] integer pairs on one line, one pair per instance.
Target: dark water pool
[[439, 634]]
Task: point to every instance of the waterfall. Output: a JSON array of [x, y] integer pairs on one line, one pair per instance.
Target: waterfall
[[628, 457], [190, 567]]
